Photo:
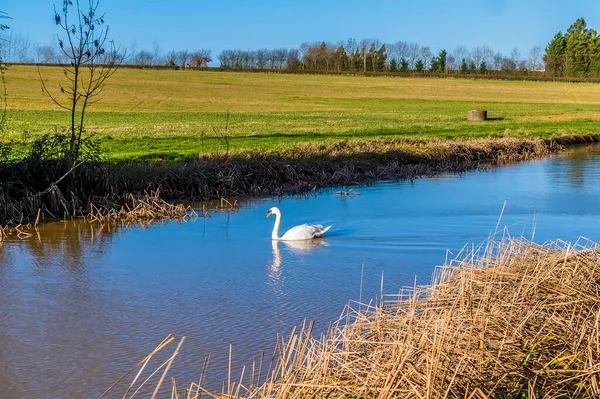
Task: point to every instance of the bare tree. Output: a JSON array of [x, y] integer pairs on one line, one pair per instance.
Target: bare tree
[[45, 54], [200, 58], [487, 55], [280, 56], [426, 56], [143, 58], [132, 50], [171, 58], [261, 58], [413, 52], [515, 57], [460, 53], [477, 55], [535, 58], [399, 51], [351, 46], [226, 59], [182, 57], [84, 46], [18, 48], [498, 61], [156, 56]]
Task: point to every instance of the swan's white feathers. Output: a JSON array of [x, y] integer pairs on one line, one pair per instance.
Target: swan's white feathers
[[302, 232], [305, 232]]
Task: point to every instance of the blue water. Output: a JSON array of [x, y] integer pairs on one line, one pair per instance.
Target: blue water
[[81, 305]]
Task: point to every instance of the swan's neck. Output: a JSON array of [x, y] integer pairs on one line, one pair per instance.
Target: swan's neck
[[275, 234]]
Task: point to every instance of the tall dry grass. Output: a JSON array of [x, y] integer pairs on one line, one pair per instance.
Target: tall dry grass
[[508, 319], [27, 195]]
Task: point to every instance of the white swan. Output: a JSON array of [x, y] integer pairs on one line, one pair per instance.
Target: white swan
[[302, 232]]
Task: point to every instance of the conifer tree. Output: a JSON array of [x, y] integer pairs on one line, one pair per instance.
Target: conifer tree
[[403, 65], [483, 68], [419, 66], [555, 55]]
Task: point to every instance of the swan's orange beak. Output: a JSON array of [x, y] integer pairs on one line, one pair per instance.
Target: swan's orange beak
[[269, 213]]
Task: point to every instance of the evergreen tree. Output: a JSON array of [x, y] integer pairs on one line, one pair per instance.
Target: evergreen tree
[[323, 57], [483, 68], [434, 64], [576, 53], [464, 68], [577, 48], [554, 58], [403, 65], [438, 64], [419, 66], [357, 60], [341, 59], [393, 65], [594, 51], [380, 58], [372, 59]]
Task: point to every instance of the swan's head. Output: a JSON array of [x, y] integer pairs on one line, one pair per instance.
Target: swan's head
[[273, 211]]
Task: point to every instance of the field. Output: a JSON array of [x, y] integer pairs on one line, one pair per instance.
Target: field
[[165, 114]]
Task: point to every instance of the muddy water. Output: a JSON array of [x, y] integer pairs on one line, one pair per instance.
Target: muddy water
[[82, 305]]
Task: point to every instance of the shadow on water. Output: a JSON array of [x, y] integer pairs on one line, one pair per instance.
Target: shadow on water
[[82, 304]]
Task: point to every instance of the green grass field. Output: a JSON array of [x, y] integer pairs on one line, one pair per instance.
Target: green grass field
[[165, 114]]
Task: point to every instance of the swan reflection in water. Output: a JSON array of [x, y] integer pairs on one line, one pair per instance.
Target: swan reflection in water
[[300, 247]]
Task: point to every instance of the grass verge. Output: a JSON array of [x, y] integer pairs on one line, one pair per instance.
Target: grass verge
[[177, 115]]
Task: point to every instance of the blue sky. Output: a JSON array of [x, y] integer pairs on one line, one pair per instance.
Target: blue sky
[[220, 24]]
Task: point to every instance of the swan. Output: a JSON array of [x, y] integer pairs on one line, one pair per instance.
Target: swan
[[302, 232]]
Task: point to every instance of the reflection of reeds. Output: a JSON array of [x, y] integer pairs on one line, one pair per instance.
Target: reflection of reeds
[[139, 210], [509, 319], [132, 210]]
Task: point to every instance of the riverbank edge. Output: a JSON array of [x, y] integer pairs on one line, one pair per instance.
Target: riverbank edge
[[101, 188], [506, 318]]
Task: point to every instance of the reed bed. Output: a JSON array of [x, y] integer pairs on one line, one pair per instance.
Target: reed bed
[[135, 210], [144, 210], [309, 167], [507, 319], [304, 168]]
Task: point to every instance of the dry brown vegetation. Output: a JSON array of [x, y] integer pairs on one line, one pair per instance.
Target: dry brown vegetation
[[144, 210], [305, 168], [507, 319], [127, 210]]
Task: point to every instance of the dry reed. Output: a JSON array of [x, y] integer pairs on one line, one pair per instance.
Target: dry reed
[[304, 168], [143, 210], [508, 319]]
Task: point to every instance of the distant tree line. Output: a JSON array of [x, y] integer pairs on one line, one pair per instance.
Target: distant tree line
[[367, 55], [575, 53], [19, 48], [371, 55]]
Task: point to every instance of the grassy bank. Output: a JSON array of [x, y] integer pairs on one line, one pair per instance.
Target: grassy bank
[[508, 319], [167, 131], [29, 195], [174, 115]]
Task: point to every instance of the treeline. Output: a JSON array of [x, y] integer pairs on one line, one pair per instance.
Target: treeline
[[367, 55], [19, 48], [575, 53], [371, 55]]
